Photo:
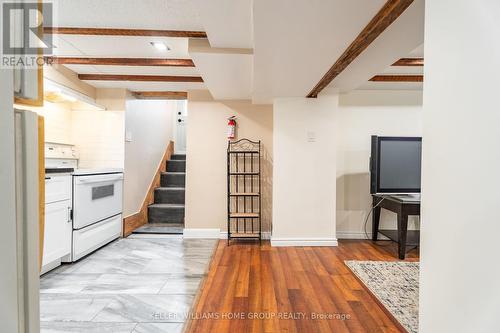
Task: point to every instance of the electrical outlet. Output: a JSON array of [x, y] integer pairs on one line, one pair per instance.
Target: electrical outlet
[[311, 136]]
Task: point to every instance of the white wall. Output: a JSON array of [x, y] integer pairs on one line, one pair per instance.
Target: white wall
[[150, 123], [459, 279], [8, 249], [360, 115], [58, 125], [99, 137], [304, 171]]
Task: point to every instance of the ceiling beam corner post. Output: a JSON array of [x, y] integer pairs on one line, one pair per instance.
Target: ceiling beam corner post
[[391, 10]]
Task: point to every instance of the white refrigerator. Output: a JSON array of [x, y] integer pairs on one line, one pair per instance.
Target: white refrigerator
[[27, 210], [19, 277]]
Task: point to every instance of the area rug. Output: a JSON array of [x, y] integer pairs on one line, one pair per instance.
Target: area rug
[[395, 284]]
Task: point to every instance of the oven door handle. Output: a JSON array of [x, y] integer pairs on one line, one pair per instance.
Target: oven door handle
[[99, 180]]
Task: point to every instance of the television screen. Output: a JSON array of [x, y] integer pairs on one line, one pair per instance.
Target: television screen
[[396, 164]]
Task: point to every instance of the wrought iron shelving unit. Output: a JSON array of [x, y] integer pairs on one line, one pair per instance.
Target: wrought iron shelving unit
[[244, 190]]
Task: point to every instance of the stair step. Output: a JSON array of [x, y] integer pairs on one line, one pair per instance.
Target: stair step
[[176, 166], [173, 179], [244, 215], [166, 213], [161, 228], [172, 195], [178, 157]]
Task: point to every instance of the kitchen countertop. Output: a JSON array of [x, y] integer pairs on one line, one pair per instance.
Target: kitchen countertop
[[81, 172]]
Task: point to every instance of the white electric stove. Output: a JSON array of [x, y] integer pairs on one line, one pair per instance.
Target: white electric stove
[[97, 200]]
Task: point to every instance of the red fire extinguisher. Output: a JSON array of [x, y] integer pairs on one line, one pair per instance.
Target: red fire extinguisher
[[231, 127]]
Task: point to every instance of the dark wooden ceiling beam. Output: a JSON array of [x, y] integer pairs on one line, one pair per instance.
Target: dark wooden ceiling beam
[[121, 61], [397, 78], [391, 10], [123, 32], [179, 95], [409, 62], [146, 78]]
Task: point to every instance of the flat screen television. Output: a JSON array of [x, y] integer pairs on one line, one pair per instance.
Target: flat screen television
[[395, 164]]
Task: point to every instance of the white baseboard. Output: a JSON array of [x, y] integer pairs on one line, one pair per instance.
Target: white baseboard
[[202, 233], [357, 235], [213, 233], [303, 241], [265, 235]]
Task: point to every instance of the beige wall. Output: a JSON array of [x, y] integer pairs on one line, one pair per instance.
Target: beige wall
[[360, 115], [114, 99], [304, 172], [328, 176], [206, 179]]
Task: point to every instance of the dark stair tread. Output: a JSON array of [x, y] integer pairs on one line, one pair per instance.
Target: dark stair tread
[[168, 209], [178, 157]]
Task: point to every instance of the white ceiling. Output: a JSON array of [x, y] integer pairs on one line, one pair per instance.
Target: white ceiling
[[226, 60], [399, 40], [130, 14], [226, 75], [148, 86], [399, 70], [133, 70], [125, 47], [228, 23], [119, 46], [294, 43]]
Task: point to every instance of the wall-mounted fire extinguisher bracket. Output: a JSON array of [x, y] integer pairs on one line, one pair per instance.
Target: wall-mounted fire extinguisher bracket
[[231, 128]]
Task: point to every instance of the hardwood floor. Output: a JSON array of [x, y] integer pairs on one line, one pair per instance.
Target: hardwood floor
[[288, 286]]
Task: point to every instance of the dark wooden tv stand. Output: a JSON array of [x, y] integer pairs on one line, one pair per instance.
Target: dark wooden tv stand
[[403, 206]]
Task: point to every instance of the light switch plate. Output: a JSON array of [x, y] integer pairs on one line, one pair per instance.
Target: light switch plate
[[128, 136]]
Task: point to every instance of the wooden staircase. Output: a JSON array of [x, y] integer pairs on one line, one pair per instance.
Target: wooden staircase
[[166, 214]]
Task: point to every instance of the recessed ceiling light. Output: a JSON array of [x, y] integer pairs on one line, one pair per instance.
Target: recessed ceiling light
[[160, 46]]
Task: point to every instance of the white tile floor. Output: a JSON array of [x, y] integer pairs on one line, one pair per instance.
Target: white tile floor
[[144, 283]]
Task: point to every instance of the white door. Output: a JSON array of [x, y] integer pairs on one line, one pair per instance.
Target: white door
[[58, 230], [180, 127]]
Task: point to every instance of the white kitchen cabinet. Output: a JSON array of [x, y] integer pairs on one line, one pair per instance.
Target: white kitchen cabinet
[[57, 188], [58, 225]]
